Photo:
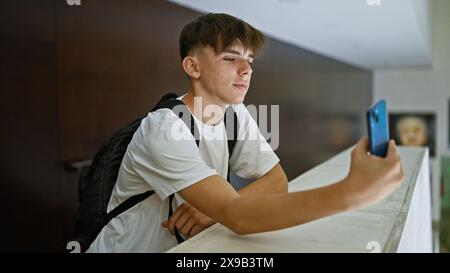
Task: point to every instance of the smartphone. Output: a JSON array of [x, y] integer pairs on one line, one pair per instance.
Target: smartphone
[[378, 128]]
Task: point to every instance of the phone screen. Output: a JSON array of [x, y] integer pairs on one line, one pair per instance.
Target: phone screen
[[378, 128]]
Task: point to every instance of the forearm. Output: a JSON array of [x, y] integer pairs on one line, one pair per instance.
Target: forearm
[[264, 185], [252, 214], [275, 181]]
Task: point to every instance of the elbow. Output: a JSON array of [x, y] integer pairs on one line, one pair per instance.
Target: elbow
[[239, 229], [241, 232]]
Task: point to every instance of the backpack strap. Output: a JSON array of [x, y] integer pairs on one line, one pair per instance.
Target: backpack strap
[[130, 202], [88, 236], [163, 100], [177, 234], [170, 101], [232, 135]]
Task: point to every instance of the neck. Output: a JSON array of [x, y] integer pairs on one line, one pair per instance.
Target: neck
[[205, 107]]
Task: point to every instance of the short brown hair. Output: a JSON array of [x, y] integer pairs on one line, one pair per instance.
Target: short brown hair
[[219, 31]]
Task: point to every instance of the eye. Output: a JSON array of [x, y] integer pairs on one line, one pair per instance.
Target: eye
[[229, 59]]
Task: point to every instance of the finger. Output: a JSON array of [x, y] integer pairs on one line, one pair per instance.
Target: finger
[[182, 220], [165, 223], [392, 152], [363, 144], [362, 147], [173, 219], [195, 230], [188, 227]]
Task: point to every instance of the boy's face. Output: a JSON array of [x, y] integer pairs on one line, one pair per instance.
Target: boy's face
[[226, 76]]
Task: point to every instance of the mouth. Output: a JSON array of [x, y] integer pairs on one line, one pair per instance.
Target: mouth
[[241, 86]]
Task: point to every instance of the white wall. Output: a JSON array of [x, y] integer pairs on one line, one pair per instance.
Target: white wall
[[350, 31], [425, 90], [423, 12]]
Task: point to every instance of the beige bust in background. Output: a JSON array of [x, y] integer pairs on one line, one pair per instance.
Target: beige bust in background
[[412, 131]]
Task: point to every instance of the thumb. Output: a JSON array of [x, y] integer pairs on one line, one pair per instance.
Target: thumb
[[165, 223]]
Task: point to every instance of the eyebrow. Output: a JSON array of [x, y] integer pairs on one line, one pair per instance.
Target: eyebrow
[[232, 51]]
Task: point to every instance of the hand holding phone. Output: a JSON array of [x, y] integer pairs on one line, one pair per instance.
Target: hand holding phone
[[378, 128]]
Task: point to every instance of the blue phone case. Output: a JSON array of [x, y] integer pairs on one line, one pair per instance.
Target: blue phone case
[[378, 128]]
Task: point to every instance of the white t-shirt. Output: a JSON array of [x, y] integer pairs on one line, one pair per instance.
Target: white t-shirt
[[163, 156]]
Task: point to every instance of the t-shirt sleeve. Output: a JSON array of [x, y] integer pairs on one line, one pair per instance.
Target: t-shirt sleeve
[[252, 156], [164, 154]]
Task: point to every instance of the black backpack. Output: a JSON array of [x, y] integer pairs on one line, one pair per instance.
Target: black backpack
[[96, 185]]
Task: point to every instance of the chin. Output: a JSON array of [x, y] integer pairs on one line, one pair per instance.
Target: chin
[[237, 99]]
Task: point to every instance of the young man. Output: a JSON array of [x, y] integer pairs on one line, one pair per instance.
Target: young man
[[217, 51]]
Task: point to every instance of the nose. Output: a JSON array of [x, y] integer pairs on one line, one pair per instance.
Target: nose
[[245, 69]]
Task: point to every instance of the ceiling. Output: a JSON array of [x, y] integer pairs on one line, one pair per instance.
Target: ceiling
[[372, 34]]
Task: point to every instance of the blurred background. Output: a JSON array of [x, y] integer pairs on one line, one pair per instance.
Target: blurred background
[[73, 72]]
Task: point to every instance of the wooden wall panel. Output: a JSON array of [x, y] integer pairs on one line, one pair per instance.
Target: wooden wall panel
[[29, 172]]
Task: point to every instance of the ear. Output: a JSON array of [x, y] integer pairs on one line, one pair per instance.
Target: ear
[[190, 66]]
